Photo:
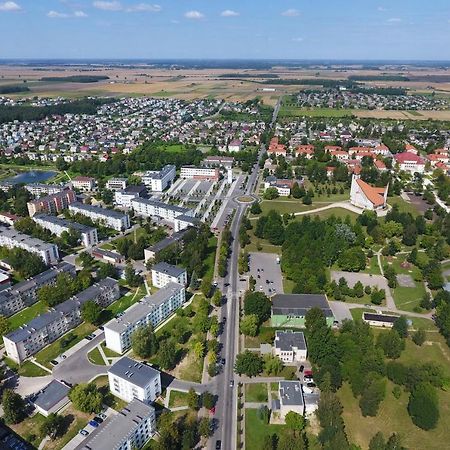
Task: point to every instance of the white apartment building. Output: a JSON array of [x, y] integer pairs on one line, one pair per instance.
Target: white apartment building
[[116, 184], [184, 221], [290, 347], [158, 180], [46, 328], [38, 189], [152, 309], [158, 210], [58, 226], [106, 217], [164, 273], [130, 429], [129, 379], [21, 295], [84, 183], [11, 238], [126, 196], [200, 173]]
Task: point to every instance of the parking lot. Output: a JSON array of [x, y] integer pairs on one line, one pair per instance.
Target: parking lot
[[267, 273]]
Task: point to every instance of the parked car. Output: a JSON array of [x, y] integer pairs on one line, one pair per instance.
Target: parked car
[[93, 423], [218, 445], [98, 419], [88, 338], [311, 384], [54, 362], [103, 416], [84, 432], [231, 383], [222, 361]]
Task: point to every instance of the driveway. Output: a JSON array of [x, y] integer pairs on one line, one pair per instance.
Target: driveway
[[340, 311], [31, 385], [263, 267]]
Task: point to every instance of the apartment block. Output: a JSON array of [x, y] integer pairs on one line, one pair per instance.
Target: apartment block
[[199, 173], [85, 184], [38, 189], [129, 379], [107, 217], [158, 180], [46, 328], [52, 204], [126, 196], [159, 210], [164, 273], [116, 184], [24, 294], [11, 238], [152, 309]]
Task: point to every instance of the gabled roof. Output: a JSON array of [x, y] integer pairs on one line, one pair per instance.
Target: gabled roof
[[373, 194]]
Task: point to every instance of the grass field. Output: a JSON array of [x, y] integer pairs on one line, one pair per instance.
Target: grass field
[[256, 430], [26, 369], [95, 357], [336, 212], [407, 298], [256, 392], [29, 429], [294, 111], [108, 352], [372, 267], [178, 398], [26, 315], [402, 205], [286, 206], [126, 301], [266, 247]]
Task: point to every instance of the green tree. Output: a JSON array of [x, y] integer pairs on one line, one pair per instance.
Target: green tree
[[53, 426], [295, 422], [4, 325], [206, 286], [423, 406], [86, 398], [394, 443], [249, 325], [217, 298], [106, 270], [272, 365], [204, 427], [401, 326], [193, 399], [91, 312], [372, 396], [208, 400], [391, 343], [259, 304], [377, 442], [198, 348], [13, 406], [358, 289], [352, 259], [419, 337], [255, 208], [86, 259], [144, 342], [167, 354], [248, 363], [296, 192], [271, 193]]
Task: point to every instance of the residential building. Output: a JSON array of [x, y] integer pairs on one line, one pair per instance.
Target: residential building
[[46, 328], [52, 204], [164, 273], [108, 256], [11, 238], [365, 196], [152, 309], [85, 184], [38, 189], [289, 310], [151, 252], [306, 151], [129, 379], [107, 217], [290, 346], [116, 184], [291, 398], [283, 187], [184, 221], [410, 162], [51, 398], [159, 180], [8, 218], [24, 294], [379, 320], [275, 148], [126, 196], [58, 226], [130, 429], [235, 146], [200, 173], [158, 210], [218, 161]]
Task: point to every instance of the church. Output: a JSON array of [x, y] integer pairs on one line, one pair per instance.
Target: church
[[365, 196]]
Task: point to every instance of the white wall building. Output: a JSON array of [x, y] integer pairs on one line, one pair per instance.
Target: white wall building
[[84, 183], [289, 346], [163, 274], [291, 398], [159, 210], [410, 162], [106, 217], [129, 379], [151, 310], [38, 189], [159, 180], [365, 196], [116, 184], [200, 173]]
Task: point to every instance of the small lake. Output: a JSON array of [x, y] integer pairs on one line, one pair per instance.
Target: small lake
[[32, 176]]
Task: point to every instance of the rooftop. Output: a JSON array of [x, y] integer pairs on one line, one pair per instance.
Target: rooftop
[[63, 223], [51, 395], [285, 340], [97, 210], [164, 243], [379, 317], [138, 373], [374, 194], [161, 173], [25, 239], [168, 269], [299, 304], [162, 205], [291, 393]]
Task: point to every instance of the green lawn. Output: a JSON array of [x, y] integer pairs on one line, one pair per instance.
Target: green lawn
[[211, 258], [111, 400], [26, 369], [29, 429], [284, 205], [403, 206], [372, 267], [295, 111], [266, 247], [126, 301], [407, 298], [336, 212], [95, 357], [256, 392], [54, 349], [288, 285], [178, 398], [26, 315]]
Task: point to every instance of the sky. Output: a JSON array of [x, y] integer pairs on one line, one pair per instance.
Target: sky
[[226, 29]]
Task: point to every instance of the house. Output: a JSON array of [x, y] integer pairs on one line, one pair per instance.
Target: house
[[290, 346], [125, 196], [129, 379], [116, 184], [380, 165], [151, 252], [283, 187], [305, 150], [435, 158], [291, 398], [164, 273], [8, 218], [289, 310], [275, 148], [85, 184], [218, 161], [107, 255], [235, 146], [330, 171], [51, 398], [130, 429], [379, 320], [365, 196], [410, 162], [411, 149]]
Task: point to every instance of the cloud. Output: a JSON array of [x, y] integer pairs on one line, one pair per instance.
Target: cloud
[[291, 13], [9, 6], [229, 13], [196, 15], [297, 39], [394, 20], [80, 14], [60, 15], [144, 7], [382, 9], [108, 6]]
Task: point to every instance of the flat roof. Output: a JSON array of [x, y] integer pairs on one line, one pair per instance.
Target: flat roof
[[379, 317], [51, 395], [159, 204], [145, 306], [158, 174], [97, 210], [138, 373], [64, 223], [25, 239], [299, 304], [291, 393], [285, 340], [164, 243], [168, 269], [113, 432]]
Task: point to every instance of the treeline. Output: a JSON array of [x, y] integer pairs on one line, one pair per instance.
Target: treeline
[[28, 112], [313, 82], [378, 78], [248, 75], [14, 89], [379, 90], [26, 264], [224, 251], [77, 78]]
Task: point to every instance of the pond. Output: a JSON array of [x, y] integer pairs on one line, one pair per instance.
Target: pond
[[32, 176]]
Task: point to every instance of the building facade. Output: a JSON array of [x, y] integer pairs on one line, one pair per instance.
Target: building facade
[[159, 180], [116, 184], [85, 184], [158, 210], [365, 196], [106, 217], [38, 189], [290, 346], [52, 204], [200, 173], [163, 274]]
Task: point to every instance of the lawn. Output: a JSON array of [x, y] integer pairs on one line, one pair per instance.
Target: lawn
[[29, 429], [372, 267], [393, 418], [209, 261], [286, 206], [336, 212], [178, 398], [26, 369], [126, 301], [256, 430], [288, 285], [111, 400], [295, 111], [54, 349], [256, 392], [266, 247], [95, 357], [407, 299], [403, 206], [26, 315]]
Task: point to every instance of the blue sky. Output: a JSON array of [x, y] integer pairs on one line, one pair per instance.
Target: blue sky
[[301, 29]]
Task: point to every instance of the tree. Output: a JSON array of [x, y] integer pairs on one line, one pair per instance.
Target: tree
[[377, 442], [217, 298], [90, 312], [372, 396], [419, 337], [206, 286], [53, 426], [394, 443], [391, 343], [270, 442], [107, 196], [13, 406], [259, 304], [271, 193], [106, 270], [193, 399], [167, 354], [86, 398], [358, 289], [214, 326], [272, 365], [352, 259], [208, 400], [248, 363], [296, 192], [86, 259], [255, 208], [410, 235], [401, 326], [144, 342], [249, 325], [4, 325], [423, 406], [204, 427], [131, 277], [295, 422], [198, 349]]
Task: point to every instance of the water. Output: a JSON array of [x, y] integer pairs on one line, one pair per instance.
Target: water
[[32, 176]]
